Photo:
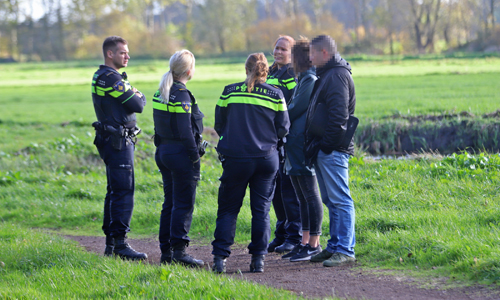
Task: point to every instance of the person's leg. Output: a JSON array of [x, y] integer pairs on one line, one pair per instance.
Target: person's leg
[[166, 212], [121, 181], [304, 209], [234, 181], [330, 248], [293, 226], [185, 176], [121, 205], [309, 188], [279, 210], [335, 173], [261, 190]]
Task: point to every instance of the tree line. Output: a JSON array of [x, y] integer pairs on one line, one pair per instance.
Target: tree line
[[75, 29]]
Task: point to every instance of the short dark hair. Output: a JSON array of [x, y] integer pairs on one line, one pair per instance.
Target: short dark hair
[[324, 42], [300, 54], [111, 43]]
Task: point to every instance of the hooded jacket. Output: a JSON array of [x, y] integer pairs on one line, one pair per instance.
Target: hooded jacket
[[339, 96], [297, 110]]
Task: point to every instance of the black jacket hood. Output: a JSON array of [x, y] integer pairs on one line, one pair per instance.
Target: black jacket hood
[[335, 62]]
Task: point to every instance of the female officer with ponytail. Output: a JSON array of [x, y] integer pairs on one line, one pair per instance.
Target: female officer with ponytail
[[178, 127], [250, 117]]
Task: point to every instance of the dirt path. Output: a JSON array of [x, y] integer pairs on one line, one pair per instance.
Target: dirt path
[[313, 280]]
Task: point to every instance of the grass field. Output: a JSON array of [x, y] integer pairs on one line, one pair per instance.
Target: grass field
[[438, 214]]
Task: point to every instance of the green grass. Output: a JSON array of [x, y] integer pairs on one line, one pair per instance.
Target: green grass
[[36, 265], [439, 216]]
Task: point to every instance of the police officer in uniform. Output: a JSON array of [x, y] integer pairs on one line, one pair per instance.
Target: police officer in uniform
[[286, 205], [115, 104], [178, 128], [250, 117]]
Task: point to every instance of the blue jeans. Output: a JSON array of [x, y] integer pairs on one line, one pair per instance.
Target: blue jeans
[[332, 171]]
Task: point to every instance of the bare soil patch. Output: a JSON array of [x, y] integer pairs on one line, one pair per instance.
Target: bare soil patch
[[312, 280]]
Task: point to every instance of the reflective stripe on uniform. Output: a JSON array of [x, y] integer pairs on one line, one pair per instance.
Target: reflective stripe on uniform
[[288, 83], [102, 91], [253, 99], [172, 107]]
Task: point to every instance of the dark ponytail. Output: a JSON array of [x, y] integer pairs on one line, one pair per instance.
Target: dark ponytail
[[257, 69]]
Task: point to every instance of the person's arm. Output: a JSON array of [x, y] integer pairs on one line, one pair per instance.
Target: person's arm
[[183, 123], [125, 94], [221, 113], [337, 102], [282, 121], [301, 97]]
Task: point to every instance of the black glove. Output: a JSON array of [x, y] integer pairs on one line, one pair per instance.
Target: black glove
[[202, 147], [281, 149]]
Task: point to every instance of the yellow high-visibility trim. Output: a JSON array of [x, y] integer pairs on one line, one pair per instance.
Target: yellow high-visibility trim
[[247, 98], [172, 107]]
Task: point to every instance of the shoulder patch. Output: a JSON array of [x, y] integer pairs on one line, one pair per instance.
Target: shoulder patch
[[119, 86], [186, 105]]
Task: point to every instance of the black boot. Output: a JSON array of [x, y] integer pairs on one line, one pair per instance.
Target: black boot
[[166, 257], [219, 264], [181, 257], [257, 264], [110, 244], [124, 251]]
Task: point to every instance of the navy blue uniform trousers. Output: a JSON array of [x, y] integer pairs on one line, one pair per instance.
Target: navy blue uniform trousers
[[287, 208], [260, 175], [119, 200], [180, 177]]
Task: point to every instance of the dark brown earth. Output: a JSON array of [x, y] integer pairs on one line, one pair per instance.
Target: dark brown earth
[[312, 280]]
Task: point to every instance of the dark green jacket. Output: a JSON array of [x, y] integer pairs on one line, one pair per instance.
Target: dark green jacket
[[297, 111]]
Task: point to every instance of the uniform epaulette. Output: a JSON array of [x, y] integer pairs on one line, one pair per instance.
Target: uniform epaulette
[[109, 73]]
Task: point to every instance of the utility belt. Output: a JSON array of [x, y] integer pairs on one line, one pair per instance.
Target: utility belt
[[200, 143], [116, 134]]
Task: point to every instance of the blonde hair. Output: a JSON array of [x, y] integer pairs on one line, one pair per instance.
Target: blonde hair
[[257, 69], [180, 63]]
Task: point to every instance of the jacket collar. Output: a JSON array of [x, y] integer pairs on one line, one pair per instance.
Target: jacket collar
[[335, 62]]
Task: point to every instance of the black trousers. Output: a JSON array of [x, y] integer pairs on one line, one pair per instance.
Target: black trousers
[[239, 173], [287, 208], [119, 200], [180, 177], [311, 206]]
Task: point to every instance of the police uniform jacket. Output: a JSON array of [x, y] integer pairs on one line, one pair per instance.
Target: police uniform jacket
[[249, 124], [115, 102], [178, 120], [283, 78]]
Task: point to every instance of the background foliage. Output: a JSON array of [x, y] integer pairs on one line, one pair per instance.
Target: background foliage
[[34, 30]]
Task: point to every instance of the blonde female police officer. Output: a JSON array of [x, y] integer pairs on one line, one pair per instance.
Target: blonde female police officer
[[250, 117], [178, 127]]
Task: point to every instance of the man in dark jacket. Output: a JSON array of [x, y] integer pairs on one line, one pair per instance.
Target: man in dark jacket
[[335, 91]]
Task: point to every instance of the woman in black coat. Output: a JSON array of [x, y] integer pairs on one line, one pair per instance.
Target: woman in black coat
[[303, 177]]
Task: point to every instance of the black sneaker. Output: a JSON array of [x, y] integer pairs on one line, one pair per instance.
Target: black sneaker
[[294, 251], [285, 247], [272, 245], [305, 253]]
